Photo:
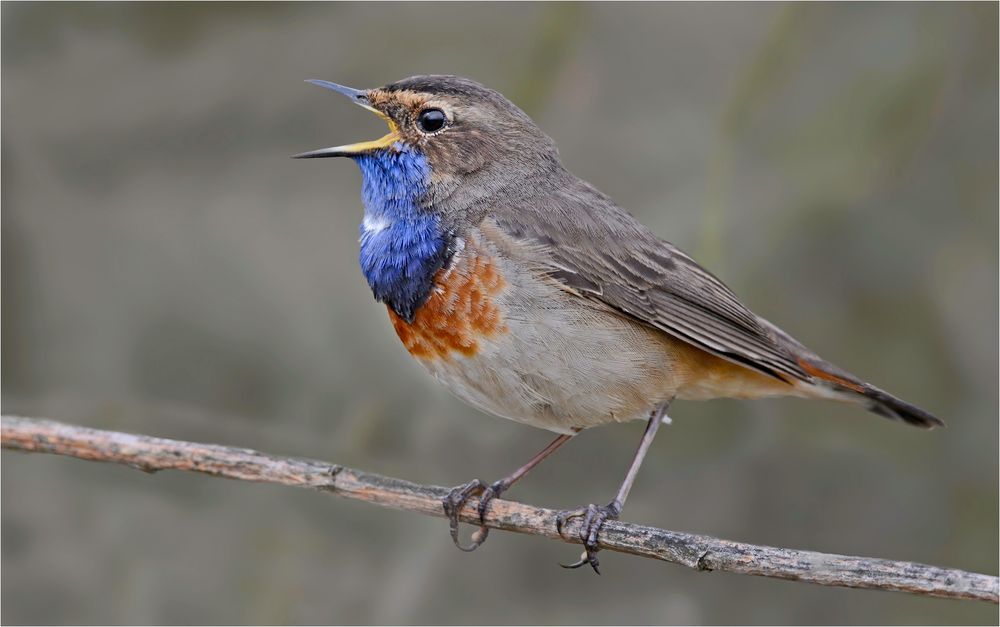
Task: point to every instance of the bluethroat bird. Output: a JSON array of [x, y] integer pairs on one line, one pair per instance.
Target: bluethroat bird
[[533, 296]]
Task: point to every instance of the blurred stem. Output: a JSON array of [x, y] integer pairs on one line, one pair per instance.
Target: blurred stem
[[561, 25], [754, 86]]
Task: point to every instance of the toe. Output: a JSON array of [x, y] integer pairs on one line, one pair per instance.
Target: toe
[[484, 503], [593, 530], [588, 523], [563, 517], [594, 517], [453, 503]]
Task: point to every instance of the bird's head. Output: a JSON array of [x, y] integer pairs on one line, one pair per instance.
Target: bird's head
[[458, 127], [453, 146]]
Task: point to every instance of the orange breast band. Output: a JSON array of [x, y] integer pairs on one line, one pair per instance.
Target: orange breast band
[[460, 312]]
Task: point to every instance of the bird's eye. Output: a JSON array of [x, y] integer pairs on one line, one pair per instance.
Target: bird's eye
[[431, 120]]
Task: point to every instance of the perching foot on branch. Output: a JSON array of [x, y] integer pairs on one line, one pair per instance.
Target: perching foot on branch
[[593, 518], [456, 499], [453, 504]]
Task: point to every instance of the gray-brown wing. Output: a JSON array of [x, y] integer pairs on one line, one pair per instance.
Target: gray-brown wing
[[593, 247]]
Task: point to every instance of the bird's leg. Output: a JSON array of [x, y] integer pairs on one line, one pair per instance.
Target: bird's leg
[[457, 498], [595, 515]]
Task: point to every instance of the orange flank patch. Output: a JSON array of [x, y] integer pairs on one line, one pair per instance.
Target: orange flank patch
[[704, 376], [815, 371], [459, 313]]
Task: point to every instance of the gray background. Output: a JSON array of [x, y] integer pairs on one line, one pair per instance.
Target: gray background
[[167, 269]]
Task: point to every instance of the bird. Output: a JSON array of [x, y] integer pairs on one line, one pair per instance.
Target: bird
[[533, 296]]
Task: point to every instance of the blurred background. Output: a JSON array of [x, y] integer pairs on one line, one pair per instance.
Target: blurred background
[[167, 269]]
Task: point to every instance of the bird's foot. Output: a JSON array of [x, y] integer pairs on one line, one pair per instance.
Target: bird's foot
[[494, 491], [593, 518], [455, 501]]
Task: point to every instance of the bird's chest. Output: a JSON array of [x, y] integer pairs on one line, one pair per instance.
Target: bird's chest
[[511, 343], [461, 315]]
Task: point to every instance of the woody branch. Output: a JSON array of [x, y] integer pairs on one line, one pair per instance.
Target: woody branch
[[699, 552]]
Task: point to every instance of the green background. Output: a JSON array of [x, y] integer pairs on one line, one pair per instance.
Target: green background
[[167, 269]]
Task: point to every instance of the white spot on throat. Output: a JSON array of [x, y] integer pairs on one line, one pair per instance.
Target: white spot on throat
[[375, 224]]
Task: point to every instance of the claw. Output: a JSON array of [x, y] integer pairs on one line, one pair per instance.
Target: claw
[[587, 557], [594, 517], [453, 504]]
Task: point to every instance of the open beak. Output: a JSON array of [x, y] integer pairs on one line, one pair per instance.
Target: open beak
[[360, 98]]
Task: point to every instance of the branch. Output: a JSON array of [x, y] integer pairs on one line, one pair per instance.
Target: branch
[[694, 551]]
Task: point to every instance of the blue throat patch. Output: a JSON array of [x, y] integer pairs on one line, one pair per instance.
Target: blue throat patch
[[402, 244]]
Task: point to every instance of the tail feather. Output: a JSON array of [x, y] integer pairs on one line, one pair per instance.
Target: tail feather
[[885, 404], [875, 400]]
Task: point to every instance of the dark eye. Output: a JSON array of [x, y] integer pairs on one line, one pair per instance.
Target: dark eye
[[431, 120]]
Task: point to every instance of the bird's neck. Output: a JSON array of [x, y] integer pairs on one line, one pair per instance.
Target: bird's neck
[[403, 244]]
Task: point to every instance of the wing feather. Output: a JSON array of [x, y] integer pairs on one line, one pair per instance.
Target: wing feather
[[581, 239]]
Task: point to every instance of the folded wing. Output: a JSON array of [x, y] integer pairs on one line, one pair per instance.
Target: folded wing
[[592, 247]]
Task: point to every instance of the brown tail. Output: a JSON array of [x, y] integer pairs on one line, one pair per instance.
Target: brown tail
[[874, 399]]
